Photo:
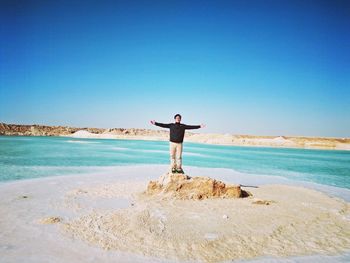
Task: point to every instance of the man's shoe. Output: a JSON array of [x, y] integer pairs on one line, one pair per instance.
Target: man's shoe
[[180, 171]]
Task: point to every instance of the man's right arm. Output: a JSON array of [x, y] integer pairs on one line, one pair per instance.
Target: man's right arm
[[164, 125]]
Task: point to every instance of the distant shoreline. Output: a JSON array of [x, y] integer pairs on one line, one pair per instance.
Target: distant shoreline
[[299, 142]]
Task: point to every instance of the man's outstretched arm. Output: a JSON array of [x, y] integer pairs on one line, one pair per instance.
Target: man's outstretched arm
[[191, 127], [164, 125]]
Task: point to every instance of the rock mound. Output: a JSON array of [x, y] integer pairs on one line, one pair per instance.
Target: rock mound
[[50, 220], [182, 186]]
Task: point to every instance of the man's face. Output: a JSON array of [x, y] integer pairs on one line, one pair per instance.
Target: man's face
[[178, 119]]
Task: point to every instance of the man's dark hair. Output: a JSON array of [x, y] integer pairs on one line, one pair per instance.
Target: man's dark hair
[[177, 115]]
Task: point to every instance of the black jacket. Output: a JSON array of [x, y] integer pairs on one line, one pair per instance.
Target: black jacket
[[177, 130]]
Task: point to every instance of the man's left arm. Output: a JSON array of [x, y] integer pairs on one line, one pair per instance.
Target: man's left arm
[[191, 127]]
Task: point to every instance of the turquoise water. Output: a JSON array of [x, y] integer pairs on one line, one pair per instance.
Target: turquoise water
[[30, 157]]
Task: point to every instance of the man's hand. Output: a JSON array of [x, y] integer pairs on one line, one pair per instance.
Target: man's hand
[[153, 122], [203, 125]]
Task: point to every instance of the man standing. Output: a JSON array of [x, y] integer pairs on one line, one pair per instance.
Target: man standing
[[177, 133]]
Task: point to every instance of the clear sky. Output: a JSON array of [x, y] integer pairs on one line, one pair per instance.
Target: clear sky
[[241, 67]]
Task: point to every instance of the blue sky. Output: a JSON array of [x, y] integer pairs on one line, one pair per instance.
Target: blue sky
[[240, 67]]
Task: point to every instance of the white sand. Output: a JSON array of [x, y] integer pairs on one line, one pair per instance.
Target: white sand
[[76, 218]]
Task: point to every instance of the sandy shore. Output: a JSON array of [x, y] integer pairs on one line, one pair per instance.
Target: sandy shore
[[105, 218]]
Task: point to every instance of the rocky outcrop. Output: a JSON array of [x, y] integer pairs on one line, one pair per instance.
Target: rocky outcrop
[[38, 130], [44, 130], [182, 186]]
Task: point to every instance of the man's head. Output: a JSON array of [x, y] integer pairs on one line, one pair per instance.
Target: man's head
[[177, 118]]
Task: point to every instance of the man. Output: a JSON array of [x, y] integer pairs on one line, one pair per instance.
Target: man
[[177, 133]]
